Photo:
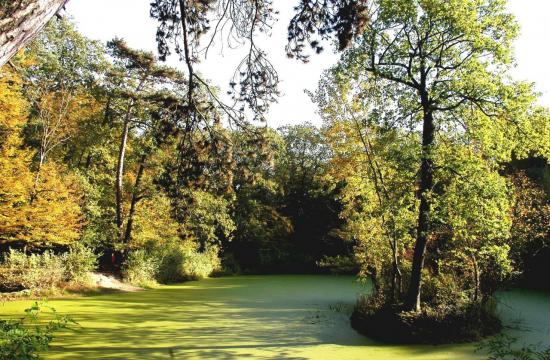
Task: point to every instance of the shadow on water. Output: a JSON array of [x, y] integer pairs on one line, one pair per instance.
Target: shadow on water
[[259, 317]]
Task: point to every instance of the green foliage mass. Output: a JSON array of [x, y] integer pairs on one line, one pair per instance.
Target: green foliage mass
[[170, 263], [26, 338], [423, 118], [46, 271], [104, 136]]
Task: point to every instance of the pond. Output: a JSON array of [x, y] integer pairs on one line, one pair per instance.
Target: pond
[[257, 317]]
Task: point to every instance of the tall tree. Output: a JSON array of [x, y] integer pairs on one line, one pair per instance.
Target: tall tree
[[136, 75], [441, 65], [153, 140]]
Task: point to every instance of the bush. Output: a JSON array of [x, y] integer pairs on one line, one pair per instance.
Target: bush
[[140, 268], [444, 291], [20, 271], [79, 262], [199, 265], [169, 263], [23, 339], [181, 263], [32, 272]]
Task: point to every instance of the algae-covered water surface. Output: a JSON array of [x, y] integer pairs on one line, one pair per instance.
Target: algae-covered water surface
[[256, 317]]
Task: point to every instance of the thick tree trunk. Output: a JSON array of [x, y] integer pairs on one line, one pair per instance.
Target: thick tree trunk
[[21, 21], [426, 183], [135, 198]]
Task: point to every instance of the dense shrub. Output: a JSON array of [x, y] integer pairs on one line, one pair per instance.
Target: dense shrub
[[140, 268], [20, 271], [36, 271], [79, 262], [170, 263], [198, 265], [22, 339], [179, 263]]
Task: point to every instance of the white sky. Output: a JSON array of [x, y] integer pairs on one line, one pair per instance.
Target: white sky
[[129, 19]]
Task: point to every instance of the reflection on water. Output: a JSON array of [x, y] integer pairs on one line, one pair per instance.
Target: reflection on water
[[526, 315]]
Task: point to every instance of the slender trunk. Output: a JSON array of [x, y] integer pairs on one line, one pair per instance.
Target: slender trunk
[[34, 193], [382, 194], [107, 112], [135, 199], [21, 21], [412, 302], [476, 278], [396, 271], [88, 161], [120, 161], [393, 283], [79, 162], [119, 174], [374, 278]]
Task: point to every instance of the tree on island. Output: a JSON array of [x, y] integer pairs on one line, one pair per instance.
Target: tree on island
[[424, 99]]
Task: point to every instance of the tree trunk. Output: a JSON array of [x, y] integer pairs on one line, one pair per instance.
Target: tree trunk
[[88, 161], [21, 21], [476, 278], [135, 199], [41, 160], [119, 174], [107, 113], [396, 271], [120, 163], [412, 302], [381, 193]]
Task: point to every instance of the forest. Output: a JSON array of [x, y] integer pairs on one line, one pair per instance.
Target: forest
[[414, 215]]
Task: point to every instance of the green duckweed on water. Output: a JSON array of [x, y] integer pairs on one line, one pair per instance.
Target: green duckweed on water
[[257, 317]]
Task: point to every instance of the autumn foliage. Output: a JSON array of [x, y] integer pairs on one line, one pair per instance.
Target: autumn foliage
[[37, 208]]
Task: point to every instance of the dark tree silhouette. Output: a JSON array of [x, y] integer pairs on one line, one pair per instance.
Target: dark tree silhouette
[[182, 23]]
